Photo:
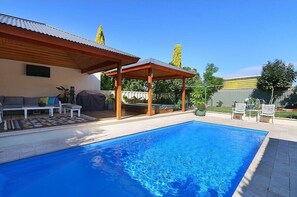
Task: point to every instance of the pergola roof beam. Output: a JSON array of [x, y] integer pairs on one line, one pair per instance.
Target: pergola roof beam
[[107, 65]]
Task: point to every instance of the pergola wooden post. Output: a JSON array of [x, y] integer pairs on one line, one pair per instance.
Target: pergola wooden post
[[115, 92], [150, 92], [184, 94], [118, 92]]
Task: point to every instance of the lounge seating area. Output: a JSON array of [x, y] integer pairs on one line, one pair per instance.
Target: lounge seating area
[[38, 105], [265, 113], [18, 103]]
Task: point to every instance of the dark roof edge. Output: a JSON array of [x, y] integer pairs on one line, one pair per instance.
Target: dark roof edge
[[152, 61]]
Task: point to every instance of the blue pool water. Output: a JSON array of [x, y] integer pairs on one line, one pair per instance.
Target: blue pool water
[[189, 159]]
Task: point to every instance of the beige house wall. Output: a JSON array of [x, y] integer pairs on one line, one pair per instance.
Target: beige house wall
[[14, 82]]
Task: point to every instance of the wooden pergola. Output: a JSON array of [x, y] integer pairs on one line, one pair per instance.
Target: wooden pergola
[[150, 70]]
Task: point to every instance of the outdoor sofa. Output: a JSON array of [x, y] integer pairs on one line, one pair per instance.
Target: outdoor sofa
[[16, 103]]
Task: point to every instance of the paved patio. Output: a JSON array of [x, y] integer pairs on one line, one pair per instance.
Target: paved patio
[[273, 171]]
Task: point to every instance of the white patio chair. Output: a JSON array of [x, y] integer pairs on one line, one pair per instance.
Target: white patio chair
[[239, 109], [267, 110]]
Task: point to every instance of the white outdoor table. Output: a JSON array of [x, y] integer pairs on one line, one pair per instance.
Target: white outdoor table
[[251, 110], [71, 108], [50, 109]]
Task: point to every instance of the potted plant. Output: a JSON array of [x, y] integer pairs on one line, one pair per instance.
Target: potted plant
[[64, 95], [197, 100], [200, 109], [110, 102], [250, 103], [219, 103]]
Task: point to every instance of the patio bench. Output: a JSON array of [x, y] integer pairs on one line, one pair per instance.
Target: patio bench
[[71, 108]]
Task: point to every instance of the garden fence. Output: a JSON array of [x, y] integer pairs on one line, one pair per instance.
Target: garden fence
[[129, 94], [228, 97]]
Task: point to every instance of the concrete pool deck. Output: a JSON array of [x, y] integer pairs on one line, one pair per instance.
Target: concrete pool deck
[[273, 171]]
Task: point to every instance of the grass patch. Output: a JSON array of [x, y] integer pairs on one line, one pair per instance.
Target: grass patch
[[292, 115], [286, 115], [220, 109]]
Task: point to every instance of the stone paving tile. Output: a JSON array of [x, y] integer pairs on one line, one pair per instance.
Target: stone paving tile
[[293, 184], [280, 184], [265, 169], [256, 189], [273, 194], [284, 171], [261, 181], [246, 193], [293, 156]]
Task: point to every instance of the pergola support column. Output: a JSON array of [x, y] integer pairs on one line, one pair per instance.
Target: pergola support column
[[118, 92], [184, 94], [115, 92], [150, 93]]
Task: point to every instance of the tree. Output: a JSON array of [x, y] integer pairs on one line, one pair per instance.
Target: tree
[[134, 85], [209, 85], [190, 82], [100, 39], [176, 59], [276, 76], [211, 82], [172, 88], [107, 83]]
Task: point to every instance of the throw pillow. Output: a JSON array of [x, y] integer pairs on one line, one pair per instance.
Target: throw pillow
[[43, 100], [57, 101], [51, 100]]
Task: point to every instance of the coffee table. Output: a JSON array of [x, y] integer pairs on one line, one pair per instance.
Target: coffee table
[[71, 108], [50, 110]]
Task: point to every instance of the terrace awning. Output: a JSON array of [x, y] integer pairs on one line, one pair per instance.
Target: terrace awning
[[152, 69], [35, 42]]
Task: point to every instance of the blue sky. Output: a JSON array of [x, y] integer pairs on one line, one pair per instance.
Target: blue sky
[[238, 36]]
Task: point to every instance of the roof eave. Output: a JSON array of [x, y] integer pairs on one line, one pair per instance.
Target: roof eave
[[20, 34]]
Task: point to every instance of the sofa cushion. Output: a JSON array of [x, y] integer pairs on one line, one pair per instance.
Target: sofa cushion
[[1, 99], [51, 100], [14, 100], [12, 106], [31, 101], [57, 101], [43, 100]]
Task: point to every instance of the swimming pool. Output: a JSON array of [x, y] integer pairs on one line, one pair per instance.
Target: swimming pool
[[189, 159]]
